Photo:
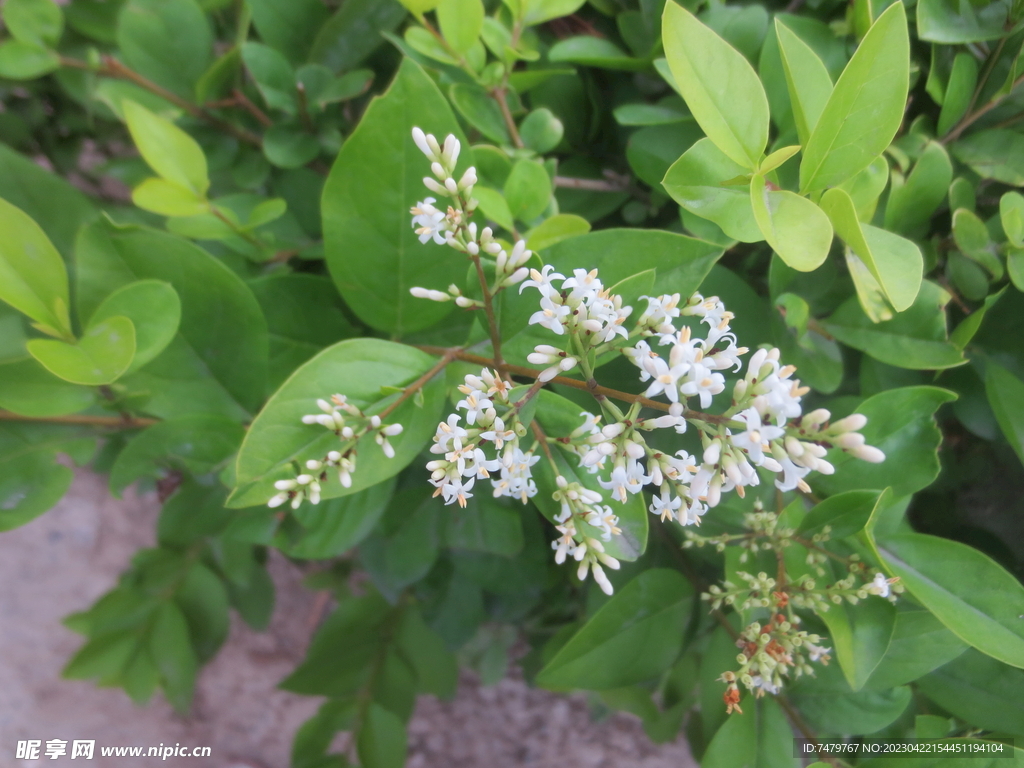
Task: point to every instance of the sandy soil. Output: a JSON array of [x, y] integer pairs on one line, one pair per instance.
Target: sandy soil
[[62, 561]]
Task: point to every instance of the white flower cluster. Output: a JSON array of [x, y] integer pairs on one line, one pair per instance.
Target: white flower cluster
[[580, 307], [582, 504], [465, 460], [452, 227], [764, 428], [350, 424]]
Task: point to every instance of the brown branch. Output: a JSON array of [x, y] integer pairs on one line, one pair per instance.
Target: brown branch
[[498, 94], [447, 355], [613, 183], [246, 103], [533, 373], [117, 422], [111, 67], [969, 119]]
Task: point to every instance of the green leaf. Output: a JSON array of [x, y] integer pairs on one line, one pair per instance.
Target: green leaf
[[736, 118], [527, 190], [346, 87], [30, 481], [895, 262], [196, 444], [535, 12], [435, 666], [376, 178], [559, 227], [28, 389], [695, 181], [217, 362], [273, 75], [758, 738], [594, 52], [353, 33], [203, 600], [1006, 396], [288, 146], [866, 106], [963, 80], [169, 199], [480, 111], [807, 80], [1011, 215], [34, 21], [900, 423], [541, 131], [33, 278], [174, 656], [968, 591], [867, 186], [979, 690], [461, 22], [357, 368], [167, 41], [333, 527], [26, 61], [403, 550], [168, 150], [911, 205], [382, 741], [651, 151], [831, 707], [846, 514], [920, 643], [485, 525], [153, 307], [947, 21], [100, 356], [915, 339], [421, 41], [972, 238], [649, 114], [633, 637], [288, 25], [54, 204], [993, 154], [860, 635], [494, 206], [795, 228]]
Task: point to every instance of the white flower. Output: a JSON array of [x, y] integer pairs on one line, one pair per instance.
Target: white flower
[[448, 433], [764, 684], [453, 489], [551, 315], [625, 479], [880, 585], [564, 545], [585, 285], [666, 505], [660, 312], [702, 382], [429, 222], [542, 281], [475, 404], [817, 653], [756, 437]]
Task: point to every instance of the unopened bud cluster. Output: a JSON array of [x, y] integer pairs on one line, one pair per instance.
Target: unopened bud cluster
[[350, 424]]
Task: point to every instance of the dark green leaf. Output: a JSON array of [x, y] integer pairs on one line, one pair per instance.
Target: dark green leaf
[[166, 41], [354, 32]]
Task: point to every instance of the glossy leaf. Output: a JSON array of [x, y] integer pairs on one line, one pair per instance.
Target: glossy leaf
[[993, 154], [166, 41], [920, 643], [845, 513], [860, 635], [21, 60], [288, 25], [916, 338], [28, 389], [980, 691], [594, 52], [634, 636], [273, 75], [968, 591], [354, 31], [155, 311], [912, 205], [527, 190], [541, 131], [360, 368], [735, 118], [830, 707], [480, 111], [946, 21], [1011, 216], [795, 228], [559, 227], [34, 21], [963, 80], [866, 106], [757, 737], [167, 149], [375, 179], [336, 526], [461, 22], [695, 181]]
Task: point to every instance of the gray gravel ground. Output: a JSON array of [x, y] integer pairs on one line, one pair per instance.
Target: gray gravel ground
[[62, 561]]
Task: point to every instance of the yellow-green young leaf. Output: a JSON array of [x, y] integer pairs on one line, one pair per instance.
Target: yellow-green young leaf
[[1011, 214], [33, 278], [538, 11], [895, 262], [101, 356], [777, 158], [807, 80], [867, 186], [153, 307], [34, 21], [1015, 267], [866, 106], [494, 206], [461, 22], [911, 205], [720, 87], [168, 150], [795, 228], [168, 199], [419, 7]]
